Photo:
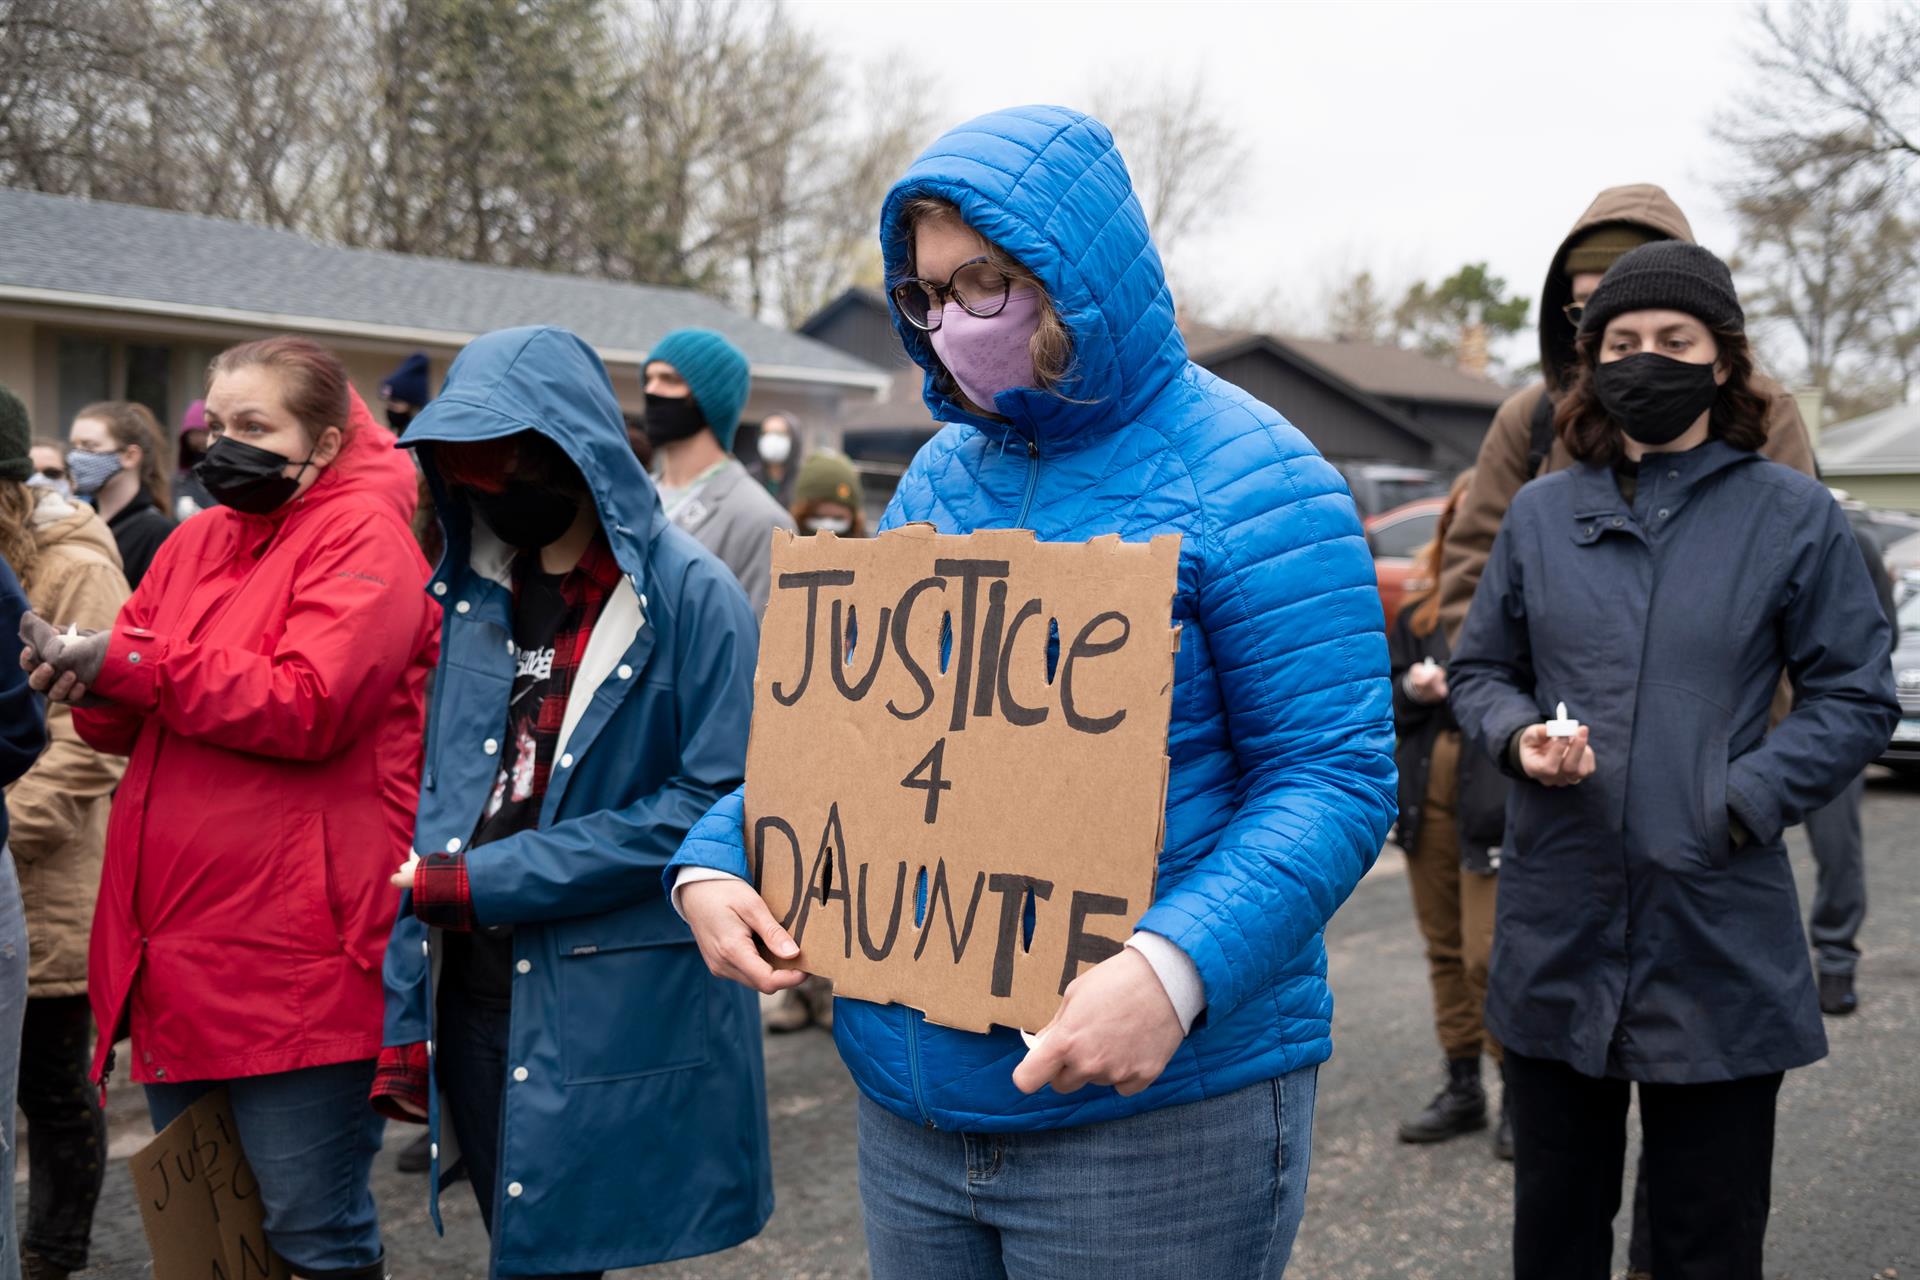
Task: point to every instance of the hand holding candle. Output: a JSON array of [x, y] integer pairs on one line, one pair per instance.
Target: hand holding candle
[[1556, 754], [1427, 681]]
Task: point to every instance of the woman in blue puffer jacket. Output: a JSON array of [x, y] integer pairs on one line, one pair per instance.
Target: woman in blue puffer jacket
[[1162, 1125]]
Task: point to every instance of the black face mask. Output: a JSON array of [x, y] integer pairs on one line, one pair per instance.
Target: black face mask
[[247, 477], [671, 418], [524, 516], [397, 419], [1654, 398]]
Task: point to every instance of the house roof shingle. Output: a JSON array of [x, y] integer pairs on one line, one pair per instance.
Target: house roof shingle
[[1883, 443], [1392, 373], [167, 262]]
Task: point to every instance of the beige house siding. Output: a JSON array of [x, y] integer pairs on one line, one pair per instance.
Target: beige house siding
[[1897, 492]]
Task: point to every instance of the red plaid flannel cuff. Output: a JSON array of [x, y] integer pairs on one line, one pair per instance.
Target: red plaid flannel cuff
[[441, 898], [400, 1083]]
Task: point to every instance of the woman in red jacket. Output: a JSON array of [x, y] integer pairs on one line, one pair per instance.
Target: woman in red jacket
[[267, 681]]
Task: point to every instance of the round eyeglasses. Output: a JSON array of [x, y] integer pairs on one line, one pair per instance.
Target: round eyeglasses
[[976, 284]]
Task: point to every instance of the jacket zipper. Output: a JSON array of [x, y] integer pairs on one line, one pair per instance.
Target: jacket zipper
[[1033, 482], [913, 1067]]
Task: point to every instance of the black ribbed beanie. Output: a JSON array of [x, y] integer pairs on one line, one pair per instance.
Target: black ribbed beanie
[[1668, 275], [16, 438]]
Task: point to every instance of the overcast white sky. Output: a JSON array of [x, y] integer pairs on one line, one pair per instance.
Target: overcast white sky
[[1408, 138]]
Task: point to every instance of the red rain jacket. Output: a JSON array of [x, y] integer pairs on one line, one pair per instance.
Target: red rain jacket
[[267, 680]]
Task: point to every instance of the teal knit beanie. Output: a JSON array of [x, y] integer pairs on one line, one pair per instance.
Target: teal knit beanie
[[16, 438], [715, 371]]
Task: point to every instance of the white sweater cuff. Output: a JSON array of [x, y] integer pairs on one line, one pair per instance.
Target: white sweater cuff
[[694, 875], [1177, 973]]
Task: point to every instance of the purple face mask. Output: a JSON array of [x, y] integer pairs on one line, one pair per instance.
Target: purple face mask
[[988, 355]]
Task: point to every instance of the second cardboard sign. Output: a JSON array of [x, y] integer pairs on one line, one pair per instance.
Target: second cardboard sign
[[957, 777]]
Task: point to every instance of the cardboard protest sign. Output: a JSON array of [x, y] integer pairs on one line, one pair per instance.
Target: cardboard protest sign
[[954, 737], [199, 1200]]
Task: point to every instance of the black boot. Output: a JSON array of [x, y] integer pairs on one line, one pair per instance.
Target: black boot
[[1836, 994], [1503, 1134], [415, 1157], [1459, 1108]]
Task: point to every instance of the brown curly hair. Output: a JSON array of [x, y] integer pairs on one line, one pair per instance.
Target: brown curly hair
[[1738, 416], [17, 544]]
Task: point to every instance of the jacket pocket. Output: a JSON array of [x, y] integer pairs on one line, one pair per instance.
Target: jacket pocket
[[1714, 816], [633, 995]]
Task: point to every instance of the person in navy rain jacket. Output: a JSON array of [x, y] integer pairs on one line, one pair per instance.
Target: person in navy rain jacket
[[547, 1012], [1162, 1126], [1648, 931], [23, 736]]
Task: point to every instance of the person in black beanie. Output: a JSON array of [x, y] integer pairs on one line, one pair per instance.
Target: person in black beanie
[[405, 391], [1619, 661]]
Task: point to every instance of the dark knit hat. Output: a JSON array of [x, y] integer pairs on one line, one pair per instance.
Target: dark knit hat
[[16, 438], [1603, 246], [1668, 275], [715, 372], [408, 383], [828, 477]]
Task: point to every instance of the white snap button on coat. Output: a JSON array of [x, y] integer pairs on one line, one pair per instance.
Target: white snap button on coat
[[625, 672], [566, 761], [426, 948], [510, 649], [463, 607], [490, 746], [453, 845], [520, 1074], [134, 656], [525, 966], [429, 1048], [514, 1189], [434, 1151], [439, 588]]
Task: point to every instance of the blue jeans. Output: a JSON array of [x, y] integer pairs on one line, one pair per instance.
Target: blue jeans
[[13, 1012], [310, 1136], [1210, 1188]]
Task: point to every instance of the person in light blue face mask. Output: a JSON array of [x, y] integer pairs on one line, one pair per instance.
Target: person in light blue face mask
[[118, 463]]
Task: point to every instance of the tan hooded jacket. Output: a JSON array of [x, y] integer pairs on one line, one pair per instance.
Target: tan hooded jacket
[[1502, 465], [59, 807]]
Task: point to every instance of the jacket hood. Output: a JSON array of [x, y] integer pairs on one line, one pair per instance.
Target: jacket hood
[[548, 380], [59, 520], [1047, 185], [1640, 204]]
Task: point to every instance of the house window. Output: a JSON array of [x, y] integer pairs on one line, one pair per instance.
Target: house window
[[85, 371], [89, 369]]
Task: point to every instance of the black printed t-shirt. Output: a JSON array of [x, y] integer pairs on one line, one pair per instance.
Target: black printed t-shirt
[[553, 616]]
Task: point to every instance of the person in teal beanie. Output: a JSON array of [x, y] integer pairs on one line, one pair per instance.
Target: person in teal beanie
[[697, 383]]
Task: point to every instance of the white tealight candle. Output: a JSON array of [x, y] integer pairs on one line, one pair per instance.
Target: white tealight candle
[[1560, 726], [73, 631]]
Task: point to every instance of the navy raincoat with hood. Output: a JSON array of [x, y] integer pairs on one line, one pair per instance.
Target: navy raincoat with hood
[[639, 1131], [1281, 742]]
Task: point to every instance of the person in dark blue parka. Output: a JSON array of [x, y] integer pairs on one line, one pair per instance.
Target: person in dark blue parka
[[1648, 929], [1162, 1126], [605, 1092], [23, 736]]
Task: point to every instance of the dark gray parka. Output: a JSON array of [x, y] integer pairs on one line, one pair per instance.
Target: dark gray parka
[[1633, 938]]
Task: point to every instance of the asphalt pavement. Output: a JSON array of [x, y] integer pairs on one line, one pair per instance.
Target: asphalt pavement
[[1846, 1185]]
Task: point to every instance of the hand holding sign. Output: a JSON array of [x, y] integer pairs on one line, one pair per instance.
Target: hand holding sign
[[727, 916], [1115, 1026]]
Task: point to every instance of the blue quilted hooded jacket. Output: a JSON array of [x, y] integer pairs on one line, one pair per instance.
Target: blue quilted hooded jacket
[[1282, 783]]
